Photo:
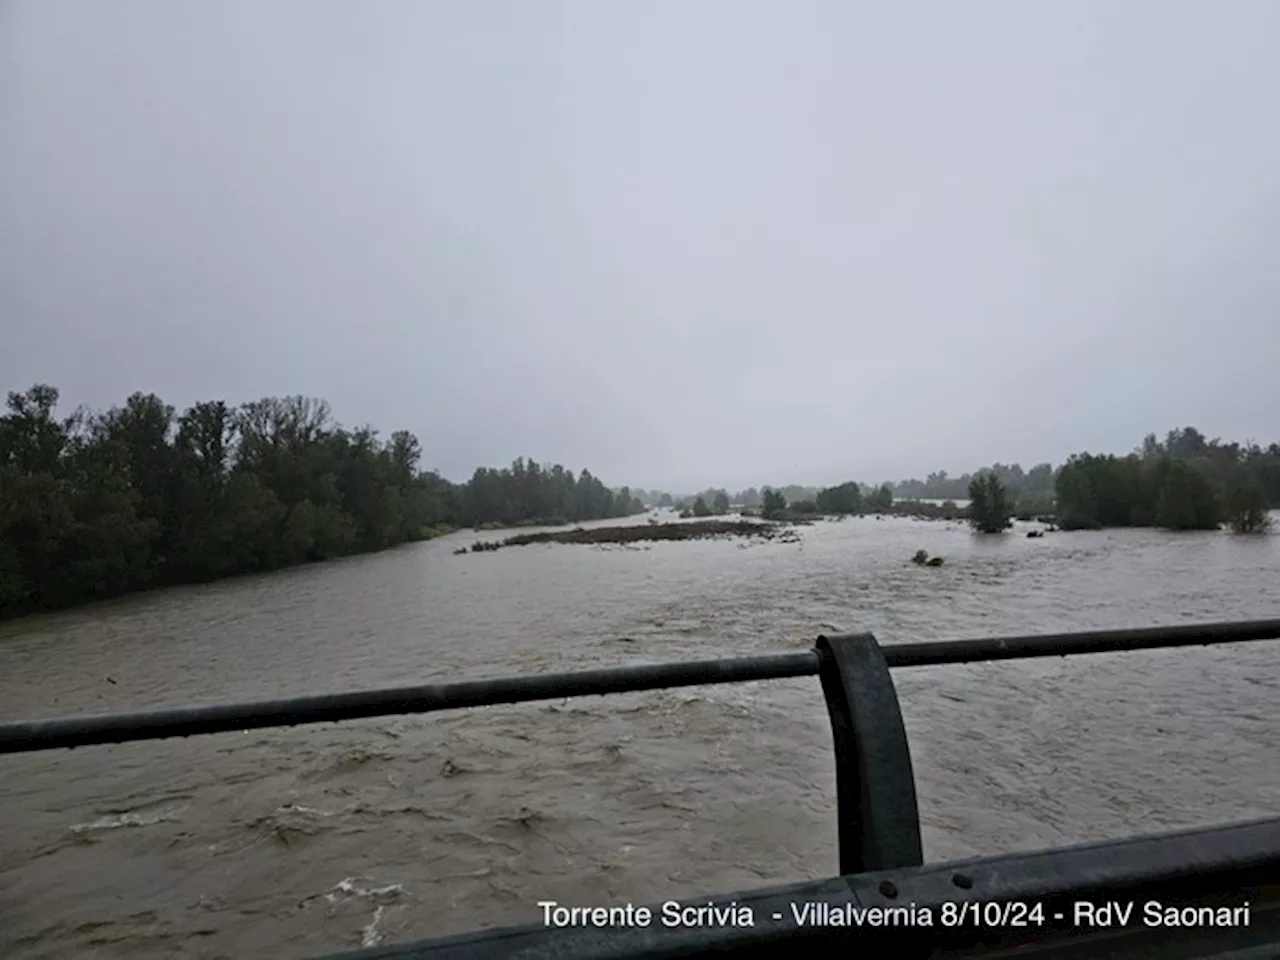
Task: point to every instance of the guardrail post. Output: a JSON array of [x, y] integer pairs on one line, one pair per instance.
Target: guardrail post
[[875, 785]]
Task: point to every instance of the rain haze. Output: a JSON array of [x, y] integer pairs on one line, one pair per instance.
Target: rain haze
[[679, 244], [681, 249]]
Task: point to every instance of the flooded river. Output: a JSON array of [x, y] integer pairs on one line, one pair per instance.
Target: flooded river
[[294, 843]]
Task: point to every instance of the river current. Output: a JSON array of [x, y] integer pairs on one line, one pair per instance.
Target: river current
[[297, 842]]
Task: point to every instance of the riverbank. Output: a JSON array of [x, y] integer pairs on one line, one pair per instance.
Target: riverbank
[[17, 611]]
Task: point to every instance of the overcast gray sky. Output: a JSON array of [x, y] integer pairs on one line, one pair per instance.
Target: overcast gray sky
[[680, 243]]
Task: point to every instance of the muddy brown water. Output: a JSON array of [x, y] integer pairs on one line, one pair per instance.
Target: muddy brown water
[[297, 842]]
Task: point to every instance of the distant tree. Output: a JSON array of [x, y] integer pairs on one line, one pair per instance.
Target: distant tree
[[31, 440], [665, 500], [1186, 499], [749, 497], [805, 508], [720, 504], [1074, 488], [626, 504], [880, 500], [845, 498], [774, 504], [1038, 484], [989, 507], [700, 508], [713, 495], [1186, 443], [796, 492]]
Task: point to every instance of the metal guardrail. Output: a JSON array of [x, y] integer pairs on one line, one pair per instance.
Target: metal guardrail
[[1034, 897], [878, 817]]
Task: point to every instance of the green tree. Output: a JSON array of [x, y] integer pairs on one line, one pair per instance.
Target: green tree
[[700, 508], [36, 524], [1075, 495], [109, 548], [31, 440], [845, 498], [1186, 500], [774, 504], [720, 504], [142, 432], [989, 507], [796, 492], [880, 500]]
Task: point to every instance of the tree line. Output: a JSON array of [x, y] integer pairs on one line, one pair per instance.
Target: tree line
[[1033, 489], [1220, 462], [98, 504], [849, 497], [1185, 482]]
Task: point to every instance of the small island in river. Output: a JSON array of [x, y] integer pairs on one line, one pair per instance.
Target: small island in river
[[699, 530]]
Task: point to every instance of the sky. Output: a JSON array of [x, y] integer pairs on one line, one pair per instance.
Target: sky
[[680, 242]]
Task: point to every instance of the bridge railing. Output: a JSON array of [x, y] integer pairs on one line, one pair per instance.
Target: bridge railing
[[877, 813]]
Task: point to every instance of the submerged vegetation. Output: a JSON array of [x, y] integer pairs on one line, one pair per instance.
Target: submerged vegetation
[[99, 504]]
